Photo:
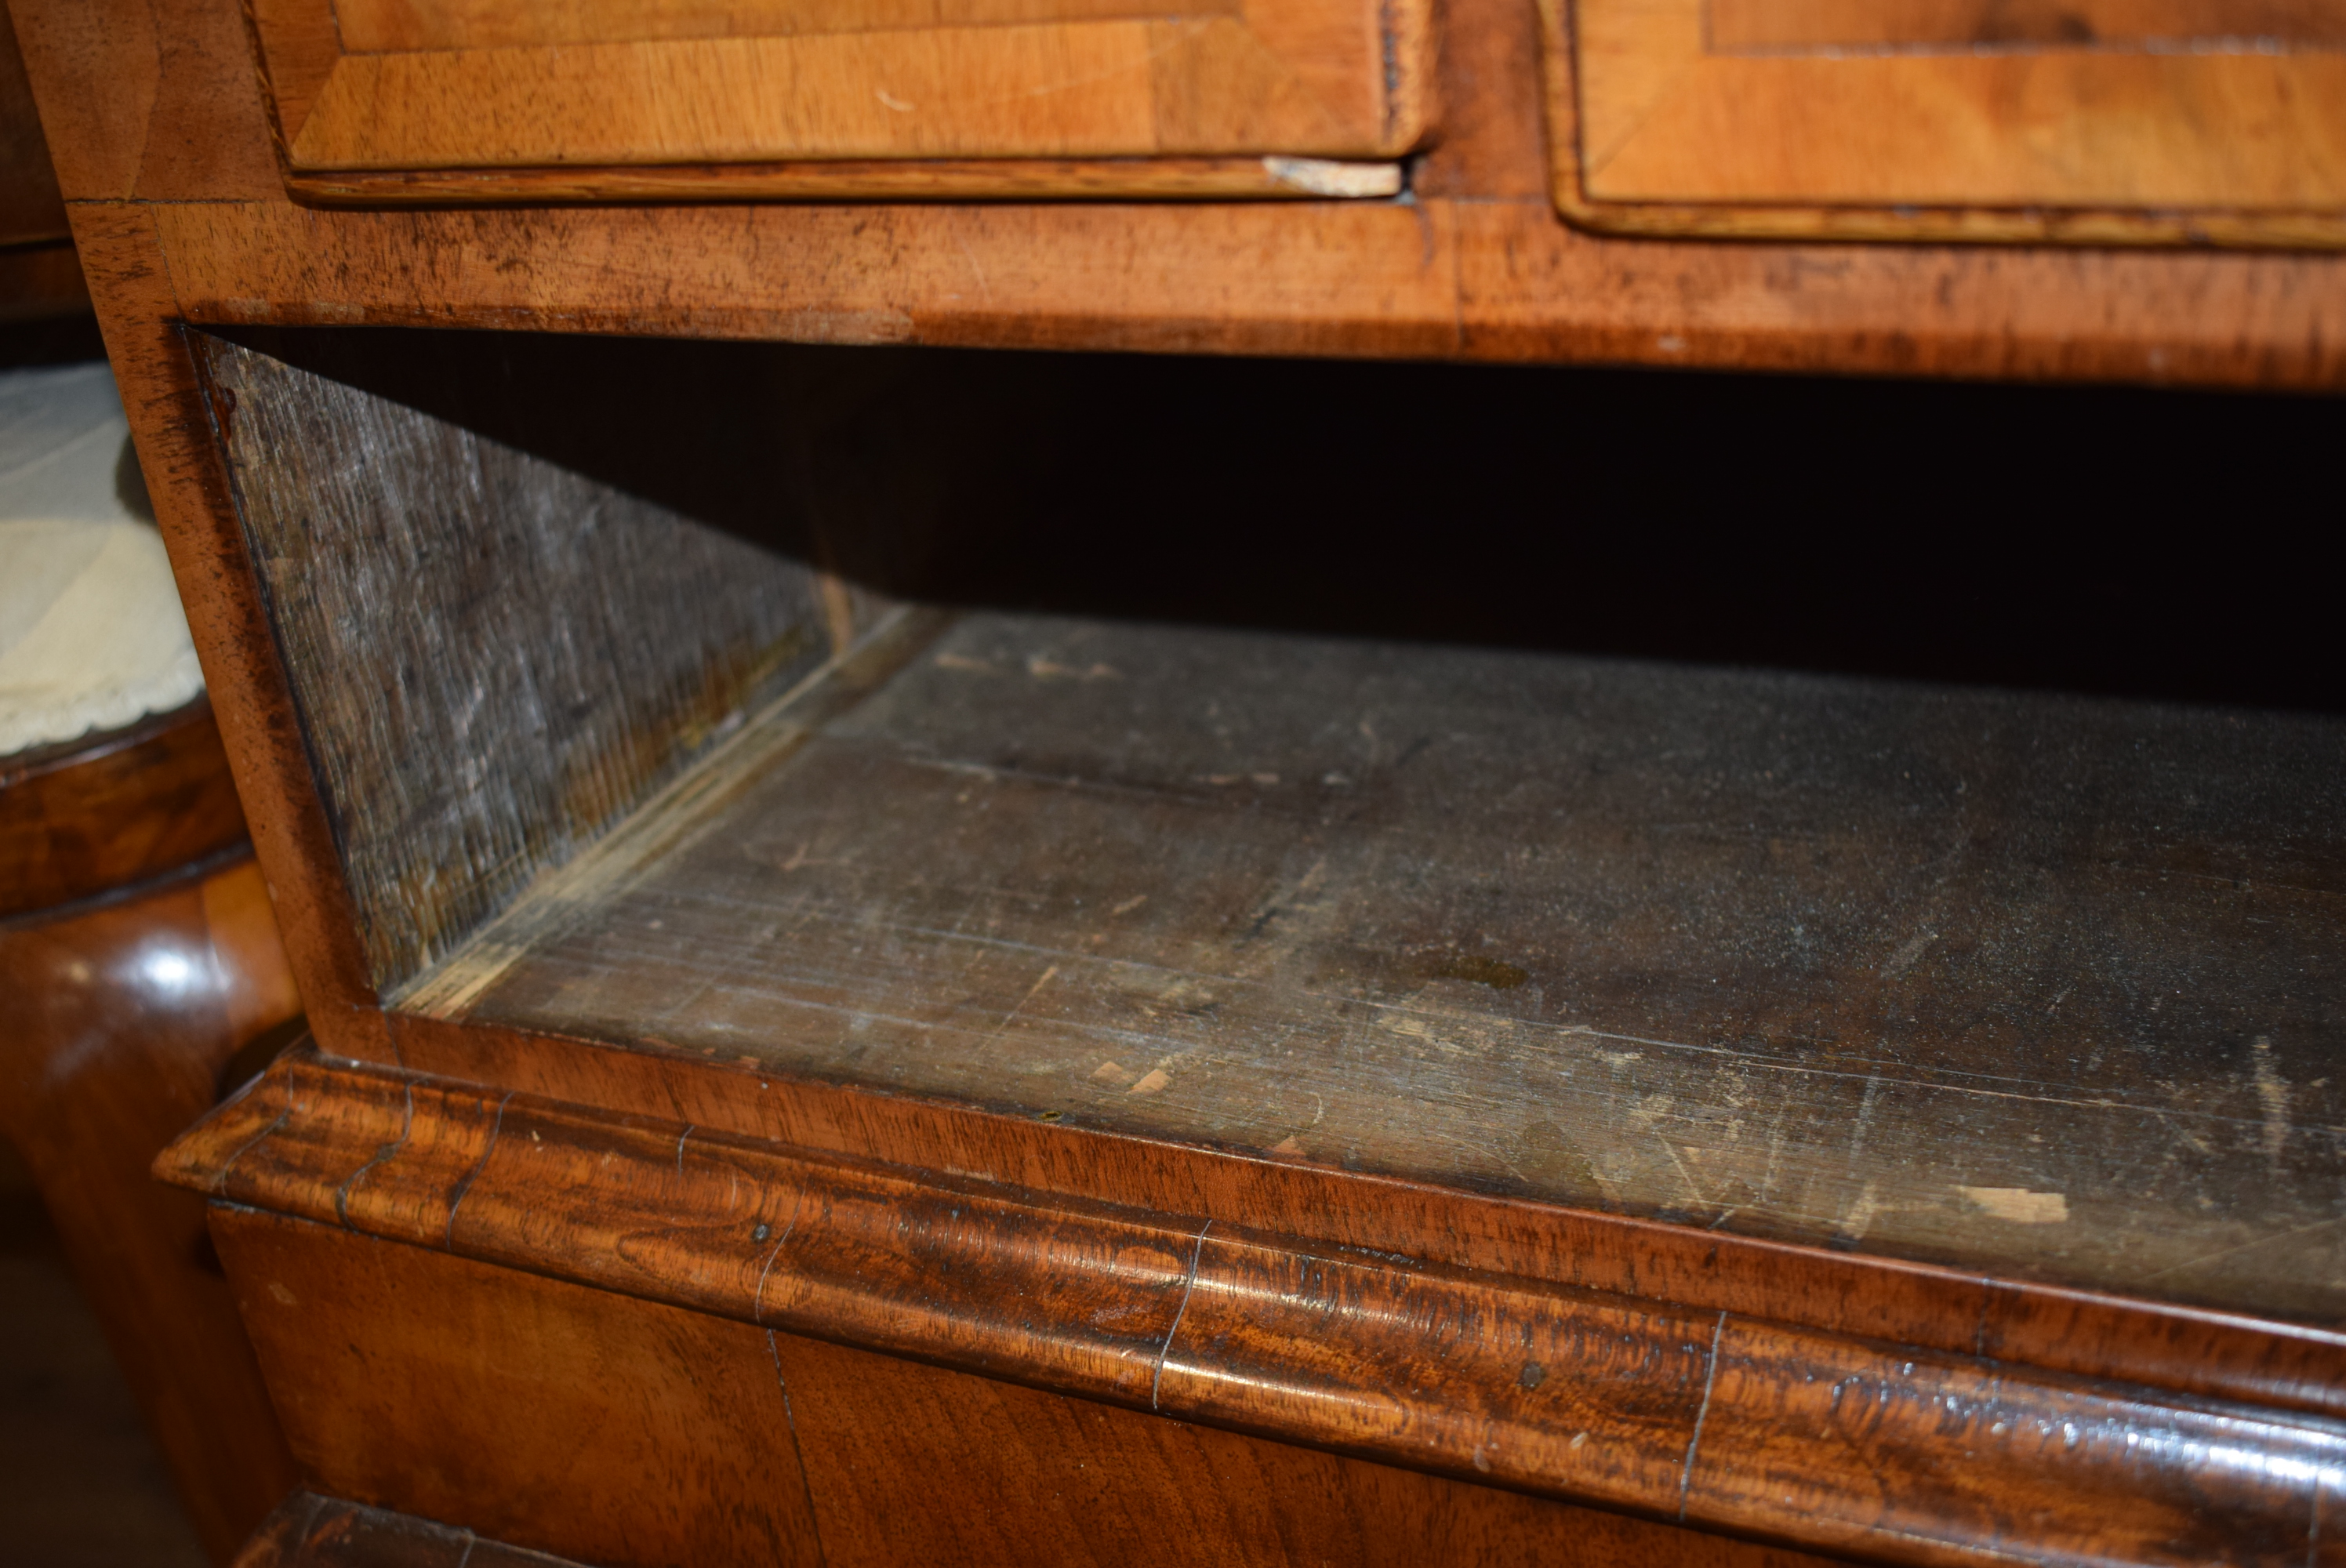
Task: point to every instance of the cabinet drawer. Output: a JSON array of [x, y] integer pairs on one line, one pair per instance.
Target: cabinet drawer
[[435, 99], [2092, 121]]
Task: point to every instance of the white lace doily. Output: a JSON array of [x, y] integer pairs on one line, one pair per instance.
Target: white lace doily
[[91, 633]]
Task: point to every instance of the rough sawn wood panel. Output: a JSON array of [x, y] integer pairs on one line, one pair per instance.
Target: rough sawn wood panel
[[2039, 987], [494, 656]]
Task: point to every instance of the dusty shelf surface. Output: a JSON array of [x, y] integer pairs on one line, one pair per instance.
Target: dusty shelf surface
[[2042, 987]]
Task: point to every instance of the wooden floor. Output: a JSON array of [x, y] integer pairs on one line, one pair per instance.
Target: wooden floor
[[80, 1481]]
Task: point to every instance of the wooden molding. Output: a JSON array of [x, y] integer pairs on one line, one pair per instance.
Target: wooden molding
[[111, 810], [1853, 195], [2215, 1354], [1798, 1434], [648, 1436]]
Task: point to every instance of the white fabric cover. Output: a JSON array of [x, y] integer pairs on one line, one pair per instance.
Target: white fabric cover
[[91, 633]]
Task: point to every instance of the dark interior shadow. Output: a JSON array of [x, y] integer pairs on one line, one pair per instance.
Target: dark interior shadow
[[2152, 544]]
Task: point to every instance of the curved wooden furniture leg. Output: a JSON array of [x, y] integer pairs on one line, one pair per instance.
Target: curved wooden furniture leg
[[137, 957]]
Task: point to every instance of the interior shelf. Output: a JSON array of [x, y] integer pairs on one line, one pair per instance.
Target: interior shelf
[[622, 734], [2036, 986]]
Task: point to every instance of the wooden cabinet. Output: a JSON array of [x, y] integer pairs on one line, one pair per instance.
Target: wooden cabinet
[[1163, 1080], [2118, 122], [812, 1063], [589, 96]]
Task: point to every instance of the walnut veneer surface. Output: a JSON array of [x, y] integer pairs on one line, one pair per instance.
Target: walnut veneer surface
[[164, 150], [1182, 1131], [1889, 1121], [2111, 123], [138, 958]]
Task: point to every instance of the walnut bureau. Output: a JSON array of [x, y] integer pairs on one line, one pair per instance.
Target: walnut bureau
[[809, 1069]]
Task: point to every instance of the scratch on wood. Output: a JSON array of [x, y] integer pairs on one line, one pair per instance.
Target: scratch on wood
[[666, 821], [1694, 1441], [1196, 1246], [464, 1184], [2019, 1205], [757, 1297], [2273, 1089], [406, 1128]]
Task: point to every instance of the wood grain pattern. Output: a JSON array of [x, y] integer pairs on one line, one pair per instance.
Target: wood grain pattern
[[122, 1017], [42, 282], [1480, 268], [2221, 1355], [858, 1448], [491, 716], [528, 1413], [145, 99], [928, 179], [1449, 279], [1760, 25], [1075, 1482], [91, 815], [31, 211], [245, 679], [464, 86], [407, 27], [1729, 1422], [1652, 106], [1653, 941], [307, 1530]]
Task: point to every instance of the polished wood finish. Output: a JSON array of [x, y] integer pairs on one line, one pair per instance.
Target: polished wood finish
[[536, 1414], [41, 282], [750, 1446], [307, 1530], [1746, 25], [31, 211], [1796, 1379], [141, 965], [39, 276], [2017, 123], [188, 483], [951, 705], [1478, 266], [84, 817], [368, 85], [1712, 1417], [124, 1016]]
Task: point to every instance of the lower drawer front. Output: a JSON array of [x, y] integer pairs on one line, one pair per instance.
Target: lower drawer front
[[619, 1432]]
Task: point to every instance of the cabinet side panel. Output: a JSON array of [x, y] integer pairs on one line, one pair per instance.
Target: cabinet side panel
[[494, 655]]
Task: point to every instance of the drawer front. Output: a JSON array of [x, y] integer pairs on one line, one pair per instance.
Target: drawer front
[[383, 86], [2100, 121]]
